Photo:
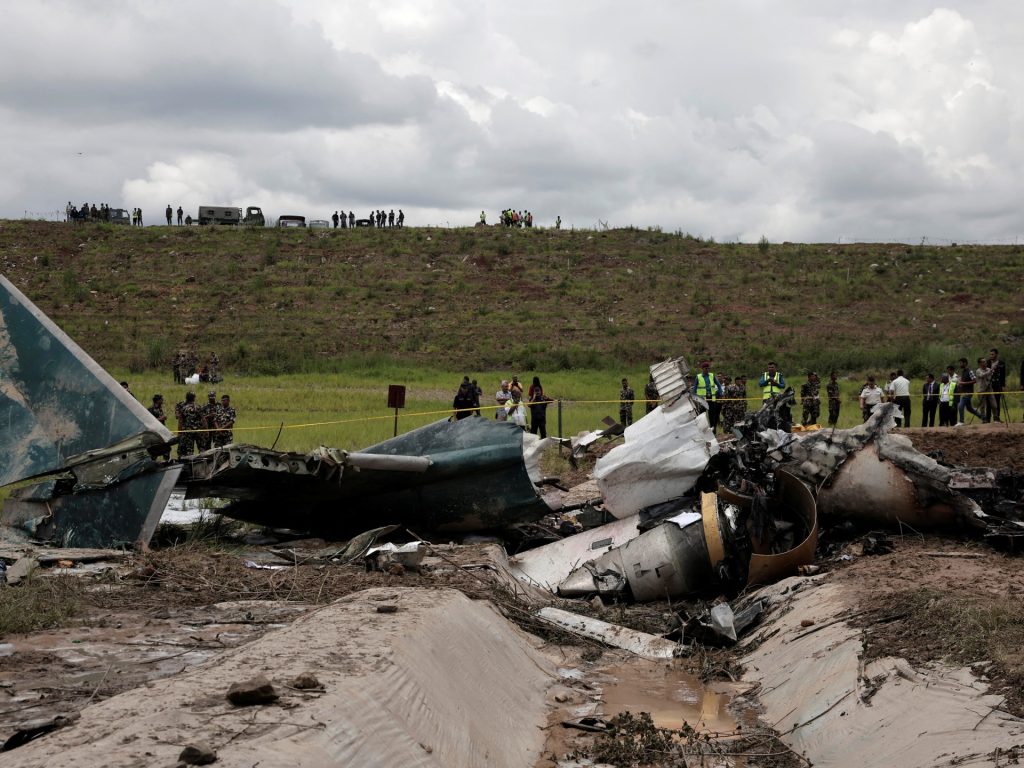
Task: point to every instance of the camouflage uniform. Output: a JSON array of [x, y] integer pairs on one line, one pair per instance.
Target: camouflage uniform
[[208, 415], [626, 398], [189, 420], [832, 390], [729, 409], [736, 407], [178, 365], [651, 395], [810, 399], [157, 409], [225, 420]]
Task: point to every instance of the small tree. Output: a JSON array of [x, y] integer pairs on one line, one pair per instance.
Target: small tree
[[762, 244]]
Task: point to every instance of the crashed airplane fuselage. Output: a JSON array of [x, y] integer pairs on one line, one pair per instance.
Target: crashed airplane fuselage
[[453, 476]]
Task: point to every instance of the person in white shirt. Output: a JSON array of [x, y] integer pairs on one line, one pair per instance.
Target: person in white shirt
[[900, 388], [947, 401], [870, 396], [501, 398]]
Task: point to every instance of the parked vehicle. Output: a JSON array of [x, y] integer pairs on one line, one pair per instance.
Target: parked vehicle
[[119, 216], [219, 214], [285, 222], [319, 224]]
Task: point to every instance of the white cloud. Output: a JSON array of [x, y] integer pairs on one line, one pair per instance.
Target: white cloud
[[786, 119]]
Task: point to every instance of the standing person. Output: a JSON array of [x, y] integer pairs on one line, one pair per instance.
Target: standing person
[[998, 384], [870, 396], [351, 219], [334, 218], [771, 382], [947, 400], [189, 420], [225, 422], [626, 398], [483, 219], [810, 399], [140, 215], [834, 401], [929, 400], [516, 386], [477, 394], [558, 222], [170, 213], [465, 401], [401, 218], [983, 380], [651, 394], [538, 409], [965, 392], [707, 386], [736, 408], [208, 416], [515, 409], [157, 409], [502, 397], [900, 387], [391, 218], [727, 417], [180, 212]]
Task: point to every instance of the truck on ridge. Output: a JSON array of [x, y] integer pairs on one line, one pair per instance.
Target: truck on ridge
[[220, 214]]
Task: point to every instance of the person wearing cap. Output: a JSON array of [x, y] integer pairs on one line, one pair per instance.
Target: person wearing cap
[[157, 409], [224, 419], [870, 396], [834, 399], [810, 399], [707, 386], [501, 398], [189, 420], [208, 415]]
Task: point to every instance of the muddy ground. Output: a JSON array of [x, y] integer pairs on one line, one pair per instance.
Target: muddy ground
[[117, 625]]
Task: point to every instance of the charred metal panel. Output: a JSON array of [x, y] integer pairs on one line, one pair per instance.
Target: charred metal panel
[[450, 476], [55, 400], [663, 457], [125, 514]]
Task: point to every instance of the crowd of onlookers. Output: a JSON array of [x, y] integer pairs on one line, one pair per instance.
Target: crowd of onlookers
[[529, 413]]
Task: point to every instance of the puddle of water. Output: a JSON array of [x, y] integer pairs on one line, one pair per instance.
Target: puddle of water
[[670, 695]]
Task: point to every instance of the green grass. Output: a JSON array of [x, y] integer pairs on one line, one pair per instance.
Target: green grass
[[492, 299]]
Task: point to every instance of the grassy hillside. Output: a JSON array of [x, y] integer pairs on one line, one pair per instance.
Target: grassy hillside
[[272, 301]]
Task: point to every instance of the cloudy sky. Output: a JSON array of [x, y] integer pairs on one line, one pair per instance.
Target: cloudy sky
[[801, 120]]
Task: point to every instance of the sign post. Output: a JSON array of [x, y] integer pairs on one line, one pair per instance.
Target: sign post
[[396, 400]]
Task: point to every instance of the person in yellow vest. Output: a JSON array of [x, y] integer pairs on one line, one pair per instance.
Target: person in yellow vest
[[707, 386], [771, 382]]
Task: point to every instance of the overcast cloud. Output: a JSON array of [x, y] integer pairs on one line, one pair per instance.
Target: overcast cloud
[[799, 120]]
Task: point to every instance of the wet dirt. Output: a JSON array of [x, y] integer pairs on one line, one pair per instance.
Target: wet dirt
[[973, 445], [672, 695]]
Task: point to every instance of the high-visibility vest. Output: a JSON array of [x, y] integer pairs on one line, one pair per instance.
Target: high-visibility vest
[[771, 388], [707, 386]]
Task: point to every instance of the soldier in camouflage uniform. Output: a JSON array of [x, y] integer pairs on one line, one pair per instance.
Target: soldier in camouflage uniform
[[626, 398], [189, 420], [157, 409], [832, 390], [651, 394], [734, 410], [177, 365], [225, 423], [208, 414], [191, 361], [810, 399]]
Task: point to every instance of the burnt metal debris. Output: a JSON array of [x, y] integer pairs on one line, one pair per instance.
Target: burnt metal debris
[[688, 515], [71, 425]]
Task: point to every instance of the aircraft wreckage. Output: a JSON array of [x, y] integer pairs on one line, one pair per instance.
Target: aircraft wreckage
[[690, 515]]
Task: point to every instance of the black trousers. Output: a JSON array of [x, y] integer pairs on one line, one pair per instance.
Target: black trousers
[[904, 404], [947, 415], [928, 414]]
